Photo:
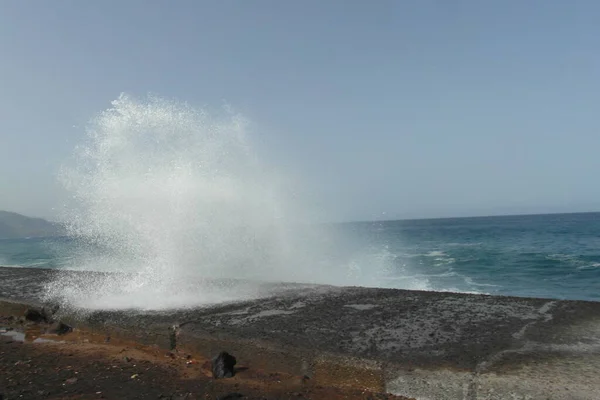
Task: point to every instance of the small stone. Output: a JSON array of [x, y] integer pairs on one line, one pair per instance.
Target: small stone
[[127, 359], [71, 381], [59, 328], [134, 376], [231, 396]]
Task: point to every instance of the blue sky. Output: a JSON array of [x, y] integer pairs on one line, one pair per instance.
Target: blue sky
[[408, 108]]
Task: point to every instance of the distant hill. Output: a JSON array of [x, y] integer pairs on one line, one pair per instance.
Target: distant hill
[[14, 226]]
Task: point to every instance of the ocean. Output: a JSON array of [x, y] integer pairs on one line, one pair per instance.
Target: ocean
[[549, 256]]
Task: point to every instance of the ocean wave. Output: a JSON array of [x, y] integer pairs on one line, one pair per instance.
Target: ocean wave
[[562, 257], [420, 276], [468, 259], [7, 265], [455, 290], [434, 253], [409, 282], [437, 255], [470, 281], [589, 266], [444, 261], [575, 261]]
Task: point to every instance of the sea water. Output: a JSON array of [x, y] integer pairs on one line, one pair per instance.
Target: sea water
[[550, 256], [168, 198]]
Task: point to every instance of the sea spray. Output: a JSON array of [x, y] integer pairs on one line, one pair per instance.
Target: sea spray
[[169, 198]]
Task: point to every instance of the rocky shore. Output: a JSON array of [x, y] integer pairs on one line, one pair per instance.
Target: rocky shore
[[355, 341], [39, 365]]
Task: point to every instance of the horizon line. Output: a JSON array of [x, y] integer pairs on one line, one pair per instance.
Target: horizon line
[[364, 221], [465, 217]]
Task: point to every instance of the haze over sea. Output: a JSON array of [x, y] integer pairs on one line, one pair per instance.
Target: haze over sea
[[553, 256]]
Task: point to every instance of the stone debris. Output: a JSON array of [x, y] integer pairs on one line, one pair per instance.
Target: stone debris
[[59, 328]]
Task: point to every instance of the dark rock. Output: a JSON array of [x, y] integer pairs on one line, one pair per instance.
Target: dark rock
[[35, 315], [59, 328], [223, 365], [231, 396], [44, 315]]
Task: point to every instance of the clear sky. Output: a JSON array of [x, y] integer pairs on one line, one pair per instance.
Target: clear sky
[[412, 108]]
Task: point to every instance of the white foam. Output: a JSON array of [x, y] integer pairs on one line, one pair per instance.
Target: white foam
[[163, 190], [435, 253], [589, 266]]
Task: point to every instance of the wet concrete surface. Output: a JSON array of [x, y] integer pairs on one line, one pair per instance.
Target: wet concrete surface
[[427, 345]]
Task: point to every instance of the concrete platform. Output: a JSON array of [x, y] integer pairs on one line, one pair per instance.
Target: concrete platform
[[427, 345]]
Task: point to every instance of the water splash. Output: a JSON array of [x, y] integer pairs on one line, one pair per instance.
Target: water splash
[[165, 194]]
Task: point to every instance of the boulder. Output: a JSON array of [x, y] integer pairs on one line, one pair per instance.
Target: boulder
[[223, 365]]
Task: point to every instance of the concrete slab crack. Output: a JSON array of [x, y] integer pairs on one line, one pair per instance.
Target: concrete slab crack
[[545, 315]]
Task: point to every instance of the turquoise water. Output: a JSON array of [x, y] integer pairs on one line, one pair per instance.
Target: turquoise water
[[33, 252], [552, 256]]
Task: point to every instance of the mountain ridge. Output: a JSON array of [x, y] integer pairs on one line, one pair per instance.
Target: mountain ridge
[[14, 226]]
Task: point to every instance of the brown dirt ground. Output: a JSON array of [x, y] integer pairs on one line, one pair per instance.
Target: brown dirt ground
[[73, 367]]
